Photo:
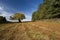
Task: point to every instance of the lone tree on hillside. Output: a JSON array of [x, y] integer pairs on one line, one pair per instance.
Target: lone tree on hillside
[[18, 16]]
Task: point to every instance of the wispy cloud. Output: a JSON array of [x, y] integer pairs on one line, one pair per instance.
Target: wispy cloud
[[4, 13], [1, 8], [28, 18]]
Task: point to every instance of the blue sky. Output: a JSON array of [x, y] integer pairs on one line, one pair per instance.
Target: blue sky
[[9, 7]]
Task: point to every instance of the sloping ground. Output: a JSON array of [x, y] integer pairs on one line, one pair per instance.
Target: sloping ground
[[39, 30]]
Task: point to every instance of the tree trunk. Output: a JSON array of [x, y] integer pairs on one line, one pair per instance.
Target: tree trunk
[[19, 20]]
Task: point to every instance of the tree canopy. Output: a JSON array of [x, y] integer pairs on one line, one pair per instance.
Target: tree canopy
[[47, 10], [18, 16]]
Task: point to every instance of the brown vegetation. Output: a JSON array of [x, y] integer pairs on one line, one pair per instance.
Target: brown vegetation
[[39, 30]]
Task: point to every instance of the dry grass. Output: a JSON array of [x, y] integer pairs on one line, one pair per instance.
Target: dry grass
[[39, 30]]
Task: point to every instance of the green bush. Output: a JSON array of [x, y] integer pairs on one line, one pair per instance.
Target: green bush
[[2, 19]]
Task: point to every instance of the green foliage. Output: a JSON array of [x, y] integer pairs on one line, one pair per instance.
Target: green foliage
[[18, 16], [47, 10], [35, 16], [2, 19]]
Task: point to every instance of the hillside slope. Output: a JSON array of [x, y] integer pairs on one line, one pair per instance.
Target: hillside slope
[[39, 30]]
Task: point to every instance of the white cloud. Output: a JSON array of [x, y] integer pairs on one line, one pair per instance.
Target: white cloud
[[1, 8], [7, 15], [4, 13], [28, 18]]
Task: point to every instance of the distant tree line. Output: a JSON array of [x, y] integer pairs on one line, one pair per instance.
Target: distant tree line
[[49, 9], [2, 19]]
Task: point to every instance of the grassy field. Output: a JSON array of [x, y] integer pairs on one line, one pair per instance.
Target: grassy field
[[39, 30]]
